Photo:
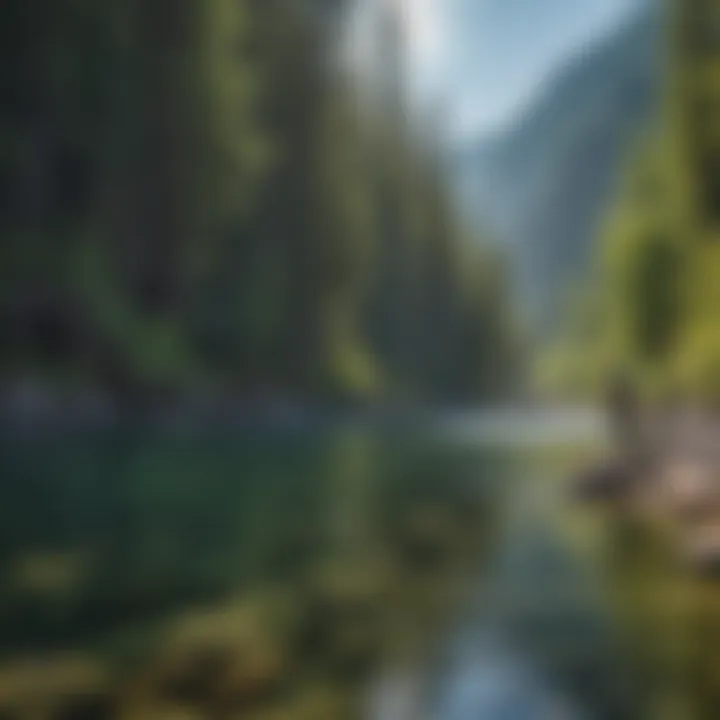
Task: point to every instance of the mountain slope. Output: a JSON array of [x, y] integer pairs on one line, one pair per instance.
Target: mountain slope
[[543, 186]]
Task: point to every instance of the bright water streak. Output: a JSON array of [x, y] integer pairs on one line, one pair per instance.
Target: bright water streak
[[499, 660]]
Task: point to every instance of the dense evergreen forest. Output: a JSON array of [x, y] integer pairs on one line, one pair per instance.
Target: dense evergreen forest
[[197, 201]]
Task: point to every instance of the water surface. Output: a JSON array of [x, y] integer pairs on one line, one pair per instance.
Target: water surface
[[471, 586]]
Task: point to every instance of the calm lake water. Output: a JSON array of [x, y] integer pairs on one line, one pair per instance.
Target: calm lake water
[[550, 615]]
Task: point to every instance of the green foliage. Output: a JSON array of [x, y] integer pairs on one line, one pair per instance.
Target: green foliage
[[191, 197], [658, 284], [653, 303]]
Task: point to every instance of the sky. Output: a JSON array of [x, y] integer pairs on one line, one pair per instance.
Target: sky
[[487, 59]]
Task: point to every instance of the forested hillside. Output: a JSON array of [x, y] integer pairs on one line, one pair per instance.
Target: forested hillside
[[651, 311], [544, 185], [193, 203]]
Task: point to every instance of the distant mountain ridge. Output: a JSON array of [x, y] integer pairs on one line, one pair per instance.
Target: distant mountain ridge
[[542, 187]]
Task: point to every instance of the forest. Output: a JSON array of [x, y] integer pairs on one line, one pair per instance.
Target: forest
[[648, 311], [198, 201]]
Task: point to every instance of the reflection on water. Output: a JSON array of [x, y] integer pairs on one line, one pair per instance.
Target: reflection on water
[[533, 637], [436, 573], [535, 641]]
